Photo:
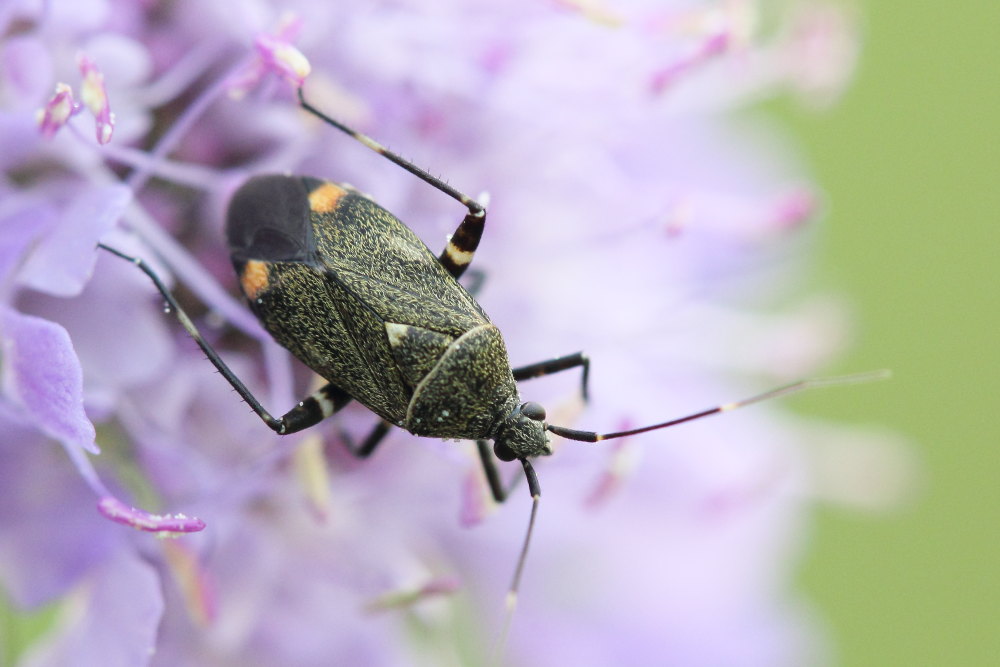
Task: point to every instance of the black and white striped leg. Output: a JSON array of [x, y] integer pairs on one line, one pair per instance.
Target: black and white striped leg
[[324, 402], [462, 246], [551, 366], [313, 409]]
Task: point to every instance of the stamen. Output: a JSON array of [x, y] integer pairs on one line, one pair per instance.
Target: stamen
[[94, 95], [164, 525], [57, 111], [407, 598]]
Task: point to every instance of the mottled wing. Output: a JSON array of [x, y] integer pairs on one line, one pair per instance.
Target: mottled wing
[[346, 287]]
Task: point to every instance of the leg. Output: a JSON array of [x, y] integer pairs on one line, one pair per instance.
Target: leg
[[493, 474], [368, 445], [476, 278], [313, 409], [556, 365], [463, 243], [310, 411]]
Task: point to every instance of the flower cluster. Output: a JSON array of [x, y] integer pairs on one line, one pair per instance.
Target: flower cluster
[[634, 214]]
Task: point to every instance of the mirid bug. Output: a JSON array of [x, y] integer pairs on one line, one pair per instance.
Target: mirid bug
[[356, 296]]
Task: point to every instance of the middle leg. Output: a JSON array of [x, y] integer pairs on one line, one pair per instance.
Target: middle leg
[[551, 366]]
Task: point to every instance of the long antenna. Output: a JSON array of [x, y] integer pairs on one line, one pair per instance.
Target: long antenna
[[515, 584], [795, 387]]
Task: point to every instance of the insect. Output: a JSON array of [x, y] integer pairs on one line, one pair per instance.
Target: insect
[[357, 297]]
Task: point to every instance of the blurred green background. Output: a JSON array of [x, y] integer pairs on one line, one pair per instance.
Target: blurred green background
[[910, 160]]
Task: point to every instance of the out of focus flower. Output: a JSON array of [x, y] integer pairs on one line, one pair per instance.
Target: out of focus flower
[[275, 54], [95, 97], [635, 214], [57, 111]]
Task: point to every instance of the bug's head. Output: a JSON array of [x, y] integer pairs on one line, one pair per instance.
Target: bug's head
[[522, 434]]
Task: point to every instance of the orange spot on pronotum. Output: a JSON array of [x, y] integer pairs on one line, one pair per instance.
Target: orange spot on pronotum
[[324, 198]]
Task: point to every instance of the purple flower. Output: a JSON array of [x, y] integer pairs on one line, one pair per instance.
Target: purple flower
[[633, 214], [59, 109], [95, 97]]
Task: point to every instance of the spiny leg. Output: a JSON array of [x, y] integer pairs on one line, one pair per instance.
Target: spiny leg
[[462, 246], [310, 411], [551, 366]]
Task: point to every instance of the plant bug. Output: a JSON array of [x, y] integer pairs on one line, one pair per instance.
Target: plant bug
[[357, 297]]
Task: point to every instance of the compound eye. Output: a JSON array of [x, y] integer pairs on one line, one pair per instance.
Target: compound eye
[[533, 410], [503, 452]]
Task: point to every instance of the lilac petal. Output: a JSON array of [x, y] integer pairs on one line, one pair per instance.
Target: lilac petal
[[18, 231], [78, 17], [50, 536], [114, 357], [125, 61], [41, 372], [21, 138], [621, 461], [668, 76], [62, 263], [117, 621], [164, 525], [27, 69], [475, 505]]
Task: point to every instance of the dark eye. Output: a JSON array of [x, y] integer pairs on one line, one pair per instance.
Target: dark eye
[[533, 410], [503, 452]]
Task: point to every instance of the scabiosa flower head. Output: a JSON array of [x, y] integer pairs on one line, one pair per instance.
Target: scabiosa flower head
[[634, 213]]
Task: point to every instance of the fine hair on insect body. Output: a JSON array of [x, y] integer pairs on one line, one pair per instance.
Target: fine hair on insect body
[[357, 297]]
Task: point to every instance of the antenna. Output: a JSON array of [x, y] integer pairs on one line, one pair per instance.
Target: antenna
[[794, 388]]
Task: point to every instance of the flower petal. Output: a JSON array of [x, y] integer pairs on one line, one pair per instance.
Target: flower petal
[[42, 373], [62, 263], [113, 621], [19, 230], [50, 536]]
